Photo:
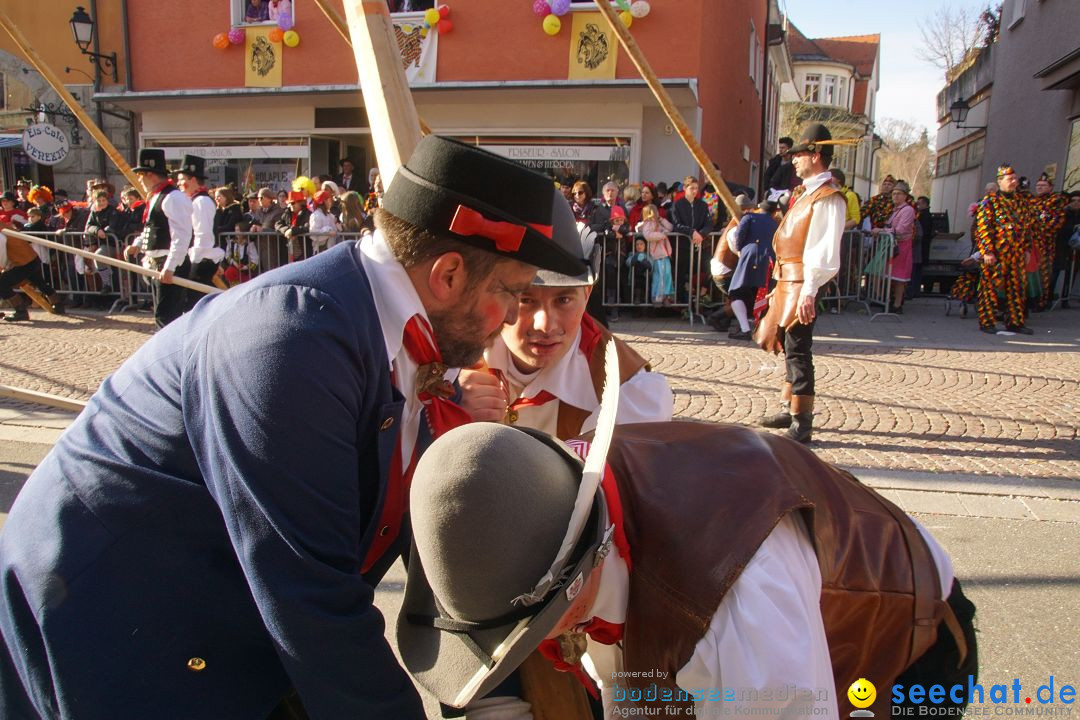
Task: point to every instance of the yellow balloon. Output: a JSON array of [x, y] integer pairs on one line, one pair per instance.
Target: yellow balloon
[[291, 38], [552, 25], [626, 18], [432, 16]]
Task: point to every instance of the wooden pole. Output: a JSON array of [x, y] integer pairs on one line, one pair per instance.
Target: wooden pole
[[40, 398], [106, 260], [54, 81], [662, 96], [392, 117], [339, 24]]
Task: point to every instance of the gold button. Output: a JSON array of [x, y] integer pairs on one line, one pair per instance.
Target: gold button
[[196, 664], [387, 423], [512, 416], [384, 530]]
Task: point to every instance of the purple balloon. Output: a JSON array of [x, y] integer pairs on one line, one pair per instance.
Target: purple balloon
[[285, 22], [560, 7], [541, 8]]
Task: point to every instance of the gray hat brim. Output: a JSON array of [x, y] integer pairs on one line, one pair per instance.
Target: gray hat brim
[[548, 278], [443, 662]]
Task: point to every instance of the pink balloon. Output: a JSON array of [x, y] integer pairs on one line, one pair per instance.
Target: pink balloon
[[541, 8], [236, 36]]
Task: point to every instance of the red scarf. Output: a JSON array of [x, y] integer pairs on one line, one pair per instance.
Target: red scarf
[[154, 193]]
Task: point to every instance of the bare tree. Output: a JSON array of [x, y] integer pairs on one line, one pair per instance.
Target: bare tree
[[949, 35], [906, 153]]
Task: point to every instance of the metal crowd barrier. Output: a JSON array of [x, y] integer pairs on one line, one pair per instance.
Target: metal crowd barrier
[[847, 286], [272, 249], [620, 288], [1070, 289], [878, 275], [76, 279]]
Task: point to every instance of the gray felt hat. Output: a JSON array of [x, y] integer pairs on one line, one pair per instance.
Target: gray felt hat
[[490, 505], [591, 252]]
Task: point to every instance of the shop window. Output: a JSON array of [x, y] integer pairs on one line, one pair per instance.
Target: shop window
[[565, 160], [410, 5], [812, 88], [262, 12], [1072, 163]]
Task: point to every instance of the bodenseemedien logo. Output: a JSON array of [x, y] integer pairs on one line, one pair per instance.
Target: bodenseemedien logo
[[862, 694]]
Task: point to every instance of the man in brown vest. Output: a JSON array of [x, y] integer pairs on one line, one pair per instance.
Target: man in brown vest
[[807, 246], [546, 371], [716, 567]]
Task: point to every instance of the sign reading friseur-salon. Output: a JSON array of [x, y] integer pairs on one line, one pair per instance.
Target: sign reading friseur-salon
[[45, 144]]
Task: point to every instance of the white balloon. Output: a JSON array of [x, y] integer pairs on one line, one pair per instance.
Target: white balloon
[[640, 8]]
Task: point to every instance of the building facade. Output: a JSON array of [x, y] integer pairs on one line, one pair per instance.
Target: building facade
[[835, 81]]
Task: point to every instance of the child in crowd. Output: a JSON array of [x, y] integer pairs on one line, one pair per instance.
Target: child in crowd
[[241, 256], [638, 275], [655, 230]]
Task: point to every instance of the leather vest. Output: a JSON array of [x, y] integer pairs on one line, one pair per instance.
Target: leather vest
[[788, 244], [155, 234], [571, 418], [693, 524]]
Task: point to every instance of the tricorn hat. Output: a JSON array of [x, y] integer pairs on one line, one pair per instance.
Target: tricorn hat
[[193, 166], [152, 160], [462, 627], [462, 192]]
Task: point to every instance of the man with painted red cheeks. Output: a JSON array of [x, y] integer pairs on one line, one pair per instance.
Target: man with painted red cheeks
[[545, 371]]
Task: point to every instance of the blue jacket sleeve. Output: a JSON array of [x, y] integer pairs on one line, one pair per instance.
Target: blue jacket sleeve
[[274, 395]]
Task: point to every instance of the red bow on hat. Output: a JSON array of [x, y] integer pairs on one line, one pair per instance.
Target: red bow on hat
[[507, 236]]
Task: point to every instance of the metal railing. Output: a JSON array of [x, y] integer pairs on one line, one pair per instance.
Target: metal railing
[[624, 285], [878, 275], [272, 249], [848, 285]]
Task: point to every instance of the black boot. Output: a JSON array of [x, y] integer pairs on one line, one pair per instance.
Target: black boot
[[20, 304], [802, 414], [56, 303], [783, 418]]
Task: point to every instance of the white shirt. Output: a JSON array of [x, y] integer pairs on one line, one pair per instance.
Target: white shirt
[[321, 227], [203, 246], [396, 302], [821, 254], [767, 632], [177, 208], [645, 397]]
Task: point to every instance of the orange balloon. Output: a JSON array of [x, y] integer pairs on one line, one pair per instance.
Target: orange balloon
[[276, 34], [221, 41]]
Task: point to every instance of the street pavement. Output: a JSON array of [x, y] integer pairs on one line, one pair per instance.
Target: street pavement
[[976, 435]]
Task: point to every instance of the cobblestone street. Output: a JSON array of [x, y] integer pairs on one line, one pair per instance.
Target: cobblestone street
[[925, 394]]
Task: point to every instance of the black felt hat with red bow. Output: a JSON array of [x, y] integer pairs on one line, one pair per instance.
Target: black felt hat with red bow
[[488, 201]]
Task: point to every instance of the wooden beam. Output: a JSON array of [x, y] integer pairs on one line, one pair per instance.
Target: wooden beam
[[54, 81], [668, 105], [40, 398], [392, 117]]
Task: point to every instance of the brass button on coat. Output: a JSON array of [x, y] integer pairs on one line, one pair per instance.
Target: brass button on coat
[[196, 664], [512, 416], [387, 424]]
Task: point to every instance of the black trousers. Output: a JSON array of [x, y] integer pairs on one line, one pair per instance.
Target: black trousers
[[201, 272], [31, 271], [170, 301], [799, 358], [940, 665]]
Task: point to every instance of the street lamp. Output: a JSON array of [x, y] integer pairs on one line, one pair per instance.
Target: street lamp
[[82, 29], [958, 112]]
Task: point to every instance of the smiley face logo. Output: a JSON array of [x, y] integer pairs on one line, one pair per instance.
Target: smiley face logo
[[862, 693]]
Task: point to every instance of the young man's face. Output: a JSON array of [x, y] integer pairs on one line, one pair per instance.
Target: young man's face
[[886, 187], [548, 319], [691, 191], [101, 203], [346, 168], [464, 331], [7, 204], [783, 148]]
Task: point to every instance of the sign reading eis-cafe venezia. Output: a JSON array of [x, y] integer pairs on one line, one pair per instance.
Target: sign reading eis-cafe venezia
[[45, 144]]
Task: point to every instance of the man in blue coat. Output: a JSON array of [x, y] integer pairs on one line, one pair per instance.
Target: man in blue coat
[[204, 540], [753, 240]]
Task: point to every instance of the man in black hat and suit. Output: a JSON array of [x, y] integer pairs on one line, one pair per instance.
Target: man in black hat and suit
[[214, 525], [204, 254], [348, 180], [807, 247], [166, 235]]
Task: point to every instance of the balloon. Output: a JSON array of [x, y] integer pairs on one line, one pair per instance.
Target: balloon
[[221, 41], [541, 8], [432, 16], [423, 32], [285, 22], [444, 11], [236, 36], [560, 7], [640, 8], [626, 18], [445, 26], [275, 35], [552, 25], [291, 38]]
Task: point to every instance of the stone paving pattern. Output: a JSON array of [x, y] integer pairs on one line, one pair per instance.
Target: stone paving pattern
[[924, 393]]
